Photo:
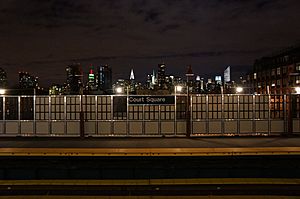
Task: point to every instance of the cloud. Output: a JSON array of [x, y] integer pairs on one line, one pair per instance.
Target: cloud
[[169, 27], [266, 4], [122, 32], [153, 16], [48, 14], [138, 7], [200, 54]]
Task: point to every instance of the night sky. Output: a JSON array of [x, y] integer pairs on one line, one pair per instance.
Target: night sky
[[43, 36]]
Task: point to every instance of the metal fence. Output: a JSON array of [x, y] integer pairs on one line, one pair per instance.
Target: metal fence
[[113, 115]]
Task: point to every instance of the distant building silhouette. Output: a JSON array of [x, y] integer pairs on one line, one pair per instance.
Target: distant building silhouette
[[190, 78], [74, 79], [104, 79]]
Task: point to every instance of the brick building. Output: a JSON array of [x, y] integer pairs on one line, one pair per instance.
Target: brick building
[[277, 74]]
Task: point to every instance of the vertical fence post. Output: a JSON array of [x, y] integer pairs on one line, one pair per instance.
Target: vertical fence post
[[3, 115], [159, 121], [188, 114], [112, 115], [65, 116], [191, 114], [34, 114], [19, 116], [49, 116], [207, 112], [127, 113], [285, 114], [81, 115], [143, 123], [222, 113], [175, 113], [290, 114], [238, 122], [96, 115], [269, 114], [253, 114]]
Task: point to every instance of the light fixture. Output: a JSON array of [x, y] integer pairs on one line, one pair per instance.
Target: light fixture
[[297, 89], [178, 89], [119, 90], [2, 91], [239, 89]]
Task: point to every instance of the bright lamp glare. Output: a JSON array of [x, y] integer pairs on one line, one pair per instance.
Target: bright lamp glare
[[119, 90], [239, 89], [2, 91], [178, 89], [297, 90]]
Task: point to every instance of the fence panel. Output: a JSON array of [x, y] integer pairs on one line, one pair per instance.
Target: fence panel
[[104, 115]]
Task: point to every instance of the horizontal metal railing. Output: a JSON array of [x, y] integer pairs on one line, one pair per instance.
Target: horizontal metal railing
[[113, 115]]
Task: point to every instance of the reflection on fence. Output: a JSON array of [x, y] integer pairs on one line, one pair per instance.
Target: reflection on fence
[[111, 115]]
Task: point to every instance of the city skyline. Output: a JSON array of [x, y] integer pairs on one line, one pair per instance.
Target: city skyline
[[85, 72], [42, 37]]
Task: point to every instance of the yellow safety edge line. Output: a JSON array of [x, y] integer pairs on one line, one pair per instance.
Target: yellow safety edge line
[[149, 151], [195, 181]]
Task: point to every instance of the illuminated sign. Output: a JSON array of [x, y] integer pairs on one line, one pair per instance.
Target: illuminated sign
[[91, 76], [151, 100], [227, 74]]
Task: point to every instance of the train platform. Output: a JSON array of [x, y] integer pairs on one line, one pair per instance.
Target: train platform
[[239, 146]]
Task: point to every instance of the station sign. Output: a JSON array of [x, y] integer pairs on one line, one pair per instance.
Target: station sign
[[151, 100]]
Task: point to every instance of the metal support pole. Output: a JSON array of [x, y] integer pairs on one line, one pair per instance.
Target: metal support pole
[[49, 116], [65, 116], [188, 116], [207, 114], [96, 115], [222, 113], [82, 134], [3, 115], [285, 116], [159, 121], [175, 114], [191, 115], [290, 115], [127, 112], [253, 114], [19, 116], [238, 122], [34, 114], [143, 122], [112, 115], [269, 115]]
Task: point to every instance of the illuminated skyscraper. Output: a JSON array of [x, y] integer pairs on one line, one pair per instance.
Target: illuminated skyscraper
[[74, 79], [131, 75], [153, 79], [105, 79], [91, 86], [27, 81], [227, 75], [198, 85], [161, 76], [3, 78], [132, 83]]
